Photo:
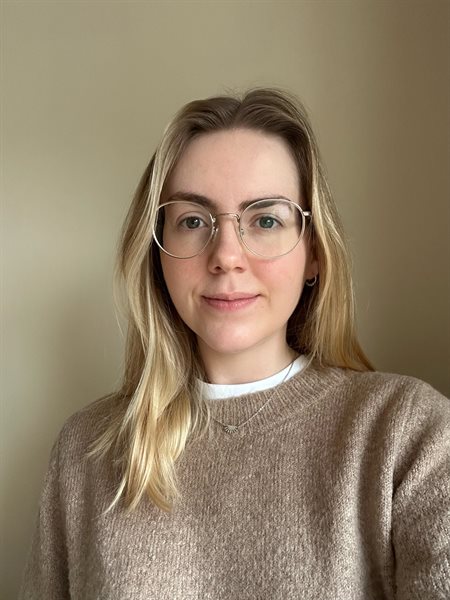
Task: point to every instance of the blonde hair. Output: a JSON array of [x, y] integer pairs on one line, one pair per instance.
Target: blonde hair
[[159, 410]]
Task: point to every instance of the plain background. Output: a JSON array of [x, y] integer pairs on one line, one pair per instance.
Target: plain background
[[87, 88]]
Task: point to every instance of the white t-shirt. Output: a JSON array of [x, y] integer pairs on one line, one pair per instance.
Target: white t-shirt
[[214, 391]]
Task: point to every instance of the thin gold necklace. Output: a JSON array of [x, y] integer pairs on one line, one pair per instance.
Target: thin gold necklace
[[228, 428]]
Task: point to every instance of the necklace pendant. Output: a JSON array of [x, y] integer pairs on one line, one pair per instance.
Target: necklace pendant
[[230, 428]]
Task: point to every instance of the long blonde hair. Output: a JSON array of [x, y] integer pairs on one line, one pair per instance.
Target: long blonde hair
[[158, 408]]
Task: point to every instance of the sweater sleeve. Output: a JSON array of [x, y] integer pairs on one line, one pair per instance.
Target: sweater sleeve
[[421, 503], [46, 572]]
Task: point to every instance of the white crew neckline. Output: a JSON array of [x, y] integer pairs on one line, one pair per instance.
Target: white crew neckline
[[215, 391]]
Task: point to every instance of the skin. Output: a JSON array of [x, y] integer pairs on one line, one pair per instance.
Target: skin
[[239, 340]]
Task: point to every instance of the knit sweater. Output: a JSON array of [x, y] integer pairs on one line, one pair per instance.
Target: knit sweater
[[338, 489]]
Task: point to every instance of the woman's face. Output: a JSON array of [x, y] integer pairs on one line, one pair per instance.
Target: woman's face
[[234, 301]]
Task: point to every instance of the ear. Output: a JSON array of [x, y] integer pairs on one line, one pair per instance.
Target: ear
[[312, 262], [312, 269]]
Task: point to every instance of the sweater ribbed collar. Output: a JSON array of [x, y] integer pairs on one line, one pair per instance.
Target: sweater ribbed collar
[[286, 399]]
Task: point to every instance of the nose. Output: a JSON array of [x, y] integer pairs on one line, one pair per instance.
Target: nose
[[226, 250]]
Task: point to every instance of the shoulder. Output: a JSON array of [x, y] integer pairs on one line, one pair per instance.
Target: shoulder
[[400, 418], [387, 401], [408, 412], [412, 400], [84, 427], [402, 390], [377, 384]]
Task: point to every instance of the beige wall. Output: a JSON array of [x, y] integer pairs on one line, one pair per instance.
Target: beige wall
[[87, 89]]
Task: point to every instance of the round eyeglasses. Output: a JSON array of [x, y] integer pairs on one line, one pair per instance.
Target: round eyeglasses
[[268, 228]]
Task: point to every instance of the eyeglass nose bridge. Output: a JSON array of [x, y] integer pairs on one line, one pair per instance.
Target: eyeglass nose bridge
[[225, 214]]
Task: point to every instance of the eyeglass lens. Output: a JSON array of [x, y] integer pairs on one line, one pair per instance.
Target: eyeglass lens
[[268, 228]]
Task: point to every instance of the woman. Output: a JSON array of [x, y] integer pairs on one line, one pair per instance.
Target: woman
[[252, 452]]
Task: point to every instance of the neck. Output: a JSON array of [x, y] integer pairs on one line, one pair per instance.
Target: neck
[[245, 367]]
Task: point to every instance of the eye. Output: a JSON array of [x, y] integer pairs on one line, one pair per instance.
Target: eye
[[191, 222], [267, 222]]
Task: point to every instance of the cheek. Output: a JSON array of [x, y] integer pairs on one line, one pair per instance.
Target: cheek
[[179, 277], [171, 276], [287, 275]]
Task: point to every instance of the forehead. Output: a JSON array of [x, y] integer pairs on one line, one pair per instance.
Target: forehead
[[234, 166]]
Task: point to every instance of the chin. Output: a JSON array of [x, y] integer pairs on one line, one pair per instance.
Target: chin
[[230, 345]]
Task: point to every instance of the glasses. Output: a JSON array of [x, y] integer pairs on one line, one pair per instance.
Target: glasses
[[268, 228]]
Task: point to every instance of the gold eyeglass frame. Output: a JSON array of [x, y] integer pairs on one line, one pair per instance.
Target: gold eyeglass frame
[[306, 214]]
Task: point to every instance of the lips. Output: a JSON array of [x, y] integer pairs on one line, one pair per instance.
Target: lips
[[231, 297], [230, 302]]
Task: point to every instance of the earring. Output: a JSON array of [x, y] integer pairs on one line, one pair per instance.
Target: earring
[[311, 282]]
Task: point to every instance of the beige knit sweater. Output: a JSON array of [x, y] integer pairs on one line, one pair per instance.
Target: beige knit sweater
[[338, 489]]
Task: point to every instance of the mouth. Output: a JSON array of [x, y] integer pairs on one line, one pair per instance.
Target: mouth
[[230, 302]]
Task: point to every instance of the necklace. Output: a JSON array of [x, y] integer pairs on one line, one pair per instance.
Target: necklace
[[228, 428]]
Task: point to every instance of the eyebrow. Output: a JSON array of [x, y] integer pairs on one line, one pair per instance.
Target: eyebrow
[[208, 203]]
